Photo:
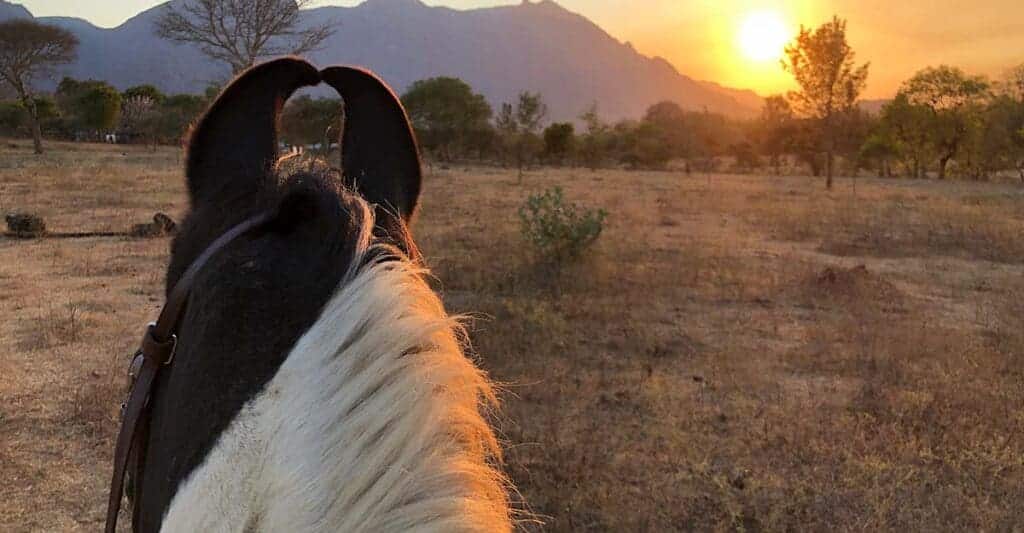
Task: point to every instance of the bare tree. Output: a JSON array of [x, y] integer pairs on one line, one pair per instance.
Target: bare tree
[[822, 62], [28, 50], [241, 32]]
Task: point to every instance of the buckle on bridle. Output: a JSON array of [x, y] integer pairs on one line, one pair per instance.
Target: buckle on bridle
[[168, 345]]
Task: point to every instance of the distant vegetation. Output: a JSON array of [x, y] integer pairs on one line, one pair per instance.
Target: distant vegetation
[[942, 123]]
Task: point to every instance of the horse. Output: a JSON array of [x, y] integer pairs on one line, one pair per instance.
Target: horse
[[317, 382]]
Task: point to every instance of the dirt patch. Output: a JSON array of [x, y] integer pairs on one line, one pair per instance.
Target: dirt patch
[[836, 285]]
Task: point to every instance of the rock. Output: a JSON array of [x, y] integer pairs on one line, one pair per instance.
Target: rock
[[26, 225]]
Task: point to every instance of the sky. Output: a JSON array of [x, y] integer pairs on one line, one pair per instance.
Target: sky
[[712, 39]]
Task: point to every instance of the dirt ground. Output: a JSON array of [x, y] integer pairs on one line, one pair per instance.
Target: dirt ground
[[737, 352]]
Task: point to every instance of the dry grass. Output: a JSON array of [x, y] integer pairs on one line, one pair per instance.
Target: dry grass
[[721, 361]]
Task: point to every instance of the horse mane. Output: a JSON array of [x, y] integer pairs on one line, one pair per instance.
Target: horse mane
[[374, 422]]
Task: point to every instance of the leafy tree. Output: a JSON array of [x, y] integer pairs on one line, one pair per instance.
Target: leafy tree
[[643, 144], [878, 151], [905, 125], [954, 100], [774, 129], [674, 127], [447, 115], [559, 142], [745, 156], [806, 145], [853, 129], [89, 105], [999, 143], [241, 32], [823, 64], [530, 112], [28, 50], [1012, 86], [593, 147], [175, 116], [12, 116], [16, 120], [519, 127], [145, 91], [311, 121]]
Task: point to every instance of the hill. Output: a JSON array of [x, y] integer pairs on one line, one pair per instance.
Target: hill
[[500, 51]]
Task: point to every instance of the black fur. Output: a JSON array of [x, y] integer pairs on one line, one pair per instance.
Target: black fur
[[258, 296], [380, 157]]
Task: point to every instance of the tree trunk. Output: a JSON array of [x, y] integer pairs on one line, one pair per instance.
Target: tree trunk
[[828, 169], [942, 166], [33, 114]]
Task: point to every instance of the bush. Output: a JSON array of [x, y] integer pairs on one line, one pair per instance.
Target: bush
[[557, 230]]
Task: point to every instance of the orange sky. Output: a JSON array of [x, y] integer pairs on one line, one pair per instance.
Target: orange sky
[[700, 36]]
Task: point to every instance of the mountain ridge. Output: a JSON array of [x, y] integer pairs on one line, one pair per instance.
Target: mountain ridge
[[500, 51]]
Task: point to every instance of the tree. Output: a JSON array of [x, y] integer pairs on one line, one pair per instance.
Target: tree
[[744, 155], [241, 32], [559, 142], [1010, 112], [138, 116], [531, 112], [15, 119], [999, 143], [519, 126], [176, 114], [28, 50], [447, 115], [674, 127], [852, 130], [774, 130], [954, 101], [308, 121], [823, 64], [89, 105], [594, 141], [642, 145], [906, 125], [145, 91], [878, 151], [1012, 85]]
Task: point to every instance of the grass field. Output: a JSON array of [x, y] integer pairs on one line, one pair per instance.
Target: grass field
[[737, 352]]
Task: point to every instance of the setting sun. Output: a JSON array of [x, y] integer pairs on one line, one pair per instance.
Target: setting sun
[[763, 36]]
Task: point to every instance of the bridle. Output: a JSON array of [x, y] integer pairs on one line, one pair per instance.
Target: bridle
[[157, 352]]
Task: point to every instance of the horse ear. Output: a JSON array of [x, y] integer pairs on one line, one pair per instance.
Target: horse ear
[[379, 155], [233, 148]]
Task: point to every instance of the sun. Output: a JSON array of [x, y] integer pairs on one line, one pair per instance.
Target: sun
[[763, 36]]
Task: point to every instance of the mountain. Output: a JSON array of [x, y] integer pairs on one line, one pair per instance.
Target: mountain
[[11, 11], [500, 51]]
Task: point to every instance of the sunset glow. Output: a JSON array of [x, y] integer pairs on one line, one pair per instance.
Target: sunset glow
[[763, 36]]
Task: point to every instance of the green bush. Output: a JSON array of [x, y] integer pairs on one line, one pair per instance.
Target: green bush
[[558, 230]]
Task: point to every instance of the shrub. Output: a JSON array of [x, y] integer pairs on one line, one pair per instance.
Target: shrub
[[558, 230]]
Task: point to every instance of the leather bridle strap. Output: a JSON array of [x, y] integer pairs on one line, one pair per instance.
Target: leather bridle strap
[[157, 351]]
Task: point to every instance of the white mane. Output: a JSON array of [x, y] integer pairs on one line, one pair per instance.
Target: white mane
[[373, 423]]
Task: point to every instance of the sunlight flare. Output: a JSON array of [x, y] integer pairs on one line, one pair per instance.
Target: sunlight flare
[[763, 36]]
